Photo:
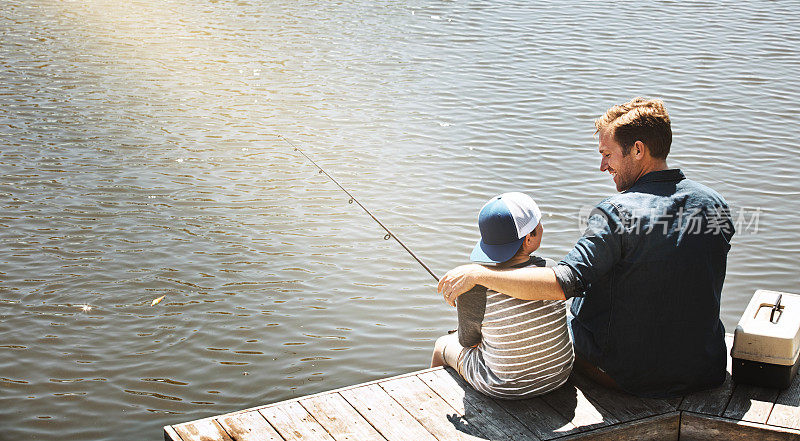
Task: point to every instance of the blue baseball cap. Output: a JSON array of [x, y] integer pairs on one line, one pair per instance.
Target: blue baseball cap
[[504, 222]]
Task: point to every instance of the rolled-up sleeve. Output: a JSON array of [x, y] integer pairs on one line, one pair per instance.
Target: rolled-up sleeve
[[567, 280], [595, 253]]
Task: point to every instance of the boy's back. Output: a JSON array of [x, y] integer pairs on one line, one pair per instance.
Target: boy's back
[[513, 348]]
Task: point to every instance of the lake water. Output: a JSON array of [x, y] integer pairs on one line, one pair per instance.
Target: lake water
[[140, 157]]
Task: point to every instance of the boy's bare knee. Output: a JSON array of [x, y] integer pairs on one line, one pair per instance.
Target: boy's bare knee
[[440, 344], [438, 353]]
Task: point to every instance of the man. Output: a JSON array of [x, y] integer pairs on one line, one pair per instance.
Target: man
[[647, 274]]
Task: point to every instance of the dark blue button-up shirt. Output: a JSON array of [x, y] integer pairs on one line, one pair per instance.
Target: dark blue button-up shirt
[[647, 276]]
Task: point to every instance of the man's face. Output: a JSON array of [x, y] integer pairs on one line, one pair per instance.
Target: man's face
[[624, 169]]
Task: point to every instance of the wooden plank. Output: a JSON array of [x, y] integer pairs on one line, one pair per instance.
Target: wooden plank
[[202, 430], [479, 410], [574, 406], [623, 406], [698, 427], [170, 434], [712, 401], [665, 427], [339, 418], [750, 403], [385, 414], [280, 403], [660, 405], [293, 422], [539, 417], [438, 417], [248, 426], [786, 412]]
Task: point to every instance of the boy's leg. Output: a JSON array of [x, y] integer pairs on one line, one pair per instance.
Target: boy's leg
[[446, 351], [438, 348]]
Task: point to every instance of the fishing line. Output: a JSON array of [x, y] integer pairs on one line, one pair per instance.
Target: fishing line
[[389, 234]]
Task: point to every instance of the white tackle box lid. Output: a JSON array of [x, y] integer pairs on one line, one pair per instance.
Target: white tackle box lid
[[767, 333]]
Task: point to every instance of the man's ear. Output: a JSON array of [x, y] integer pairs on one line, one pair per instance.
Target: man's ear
[[638, 149]]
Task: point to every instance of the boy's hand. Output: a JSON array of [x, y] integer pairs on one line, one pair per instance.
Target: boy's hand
[[457, 281]]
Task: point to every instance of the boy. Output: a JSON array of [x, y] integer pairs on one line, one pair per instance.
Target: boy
[[506, 347]]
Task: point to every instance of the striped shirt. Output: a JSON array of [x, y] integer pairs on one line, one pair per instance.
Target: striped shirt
[[513, 348]]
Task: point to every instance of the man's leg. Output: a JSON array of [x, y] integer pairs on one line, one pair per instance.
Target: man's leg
[[583, 365], [594, 373]]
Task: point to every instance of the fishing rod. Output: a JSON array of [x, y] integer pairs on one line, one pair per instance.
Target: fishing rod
[[389, 234]]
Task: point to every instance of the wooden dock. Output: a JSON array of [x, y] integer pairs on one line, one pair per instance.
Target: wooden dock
[[436, 404]]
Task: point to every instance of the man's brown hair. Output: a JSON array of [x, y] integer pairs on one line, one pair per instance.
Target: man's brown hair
[[640, 119]]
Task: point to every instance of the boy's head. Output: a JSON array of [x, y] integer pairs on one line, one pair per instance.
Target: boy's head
[[504, 222]]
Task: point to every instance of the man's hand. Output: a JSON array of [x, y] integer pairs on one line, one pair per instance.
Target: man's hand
[[459, 280]]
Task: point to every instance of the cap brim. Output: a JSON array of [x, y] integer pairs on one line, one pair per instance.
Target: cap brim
[[492, 254]]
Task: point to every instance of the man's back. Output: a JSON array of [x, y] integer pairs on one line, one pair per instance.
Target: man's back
[[652, 265]]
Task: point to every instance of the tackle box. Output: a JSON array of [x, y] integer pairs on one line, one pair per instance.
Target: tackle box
[[766, 343]]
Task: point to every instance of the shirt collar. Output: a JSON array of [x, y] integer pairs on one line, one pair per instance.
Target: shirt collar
[[532, 260], [669, 175]]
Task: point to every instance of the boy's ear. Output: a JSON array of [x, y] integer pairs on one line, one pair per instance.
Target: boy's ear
[[530, 237]]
